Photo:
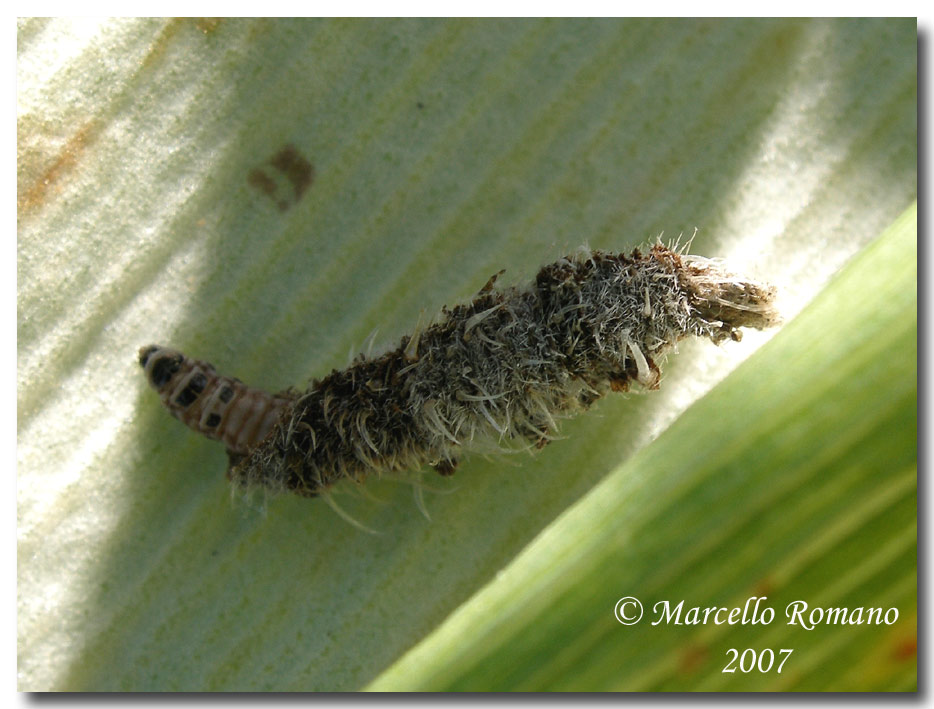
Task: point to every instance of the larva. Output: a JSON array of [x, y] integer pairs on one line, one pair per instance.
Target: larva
[[221, 408], [505, 367]]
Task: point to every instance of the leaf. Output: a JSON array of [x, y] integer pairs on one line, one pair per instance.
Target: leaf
[[266, 193], [794, 481]]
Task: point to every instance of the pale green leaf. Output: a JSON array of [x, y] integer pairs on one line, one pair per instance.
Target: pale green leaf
[[443, 151]]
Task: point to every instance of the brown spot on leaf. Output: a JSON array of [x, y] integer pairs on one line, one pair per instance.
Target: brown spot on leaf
[[692, 659], [34, 192], [261, 181], [906, 649], [764, 587], [283, 178]]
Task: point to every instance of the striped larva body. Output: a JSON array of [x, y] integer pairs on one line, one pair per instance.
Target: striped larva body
[[502, 369], [221, 408]]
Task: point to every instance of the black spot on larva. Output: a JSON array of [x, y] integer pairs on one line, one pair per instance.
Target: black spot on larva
[[197, 383], [226, 394], [145, 354], [164, 368], [213, 420], [186, 398], [190, 393]]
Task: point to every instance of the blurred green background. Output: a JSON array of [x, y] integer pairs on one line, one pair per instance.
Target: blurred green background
[[265, 194]]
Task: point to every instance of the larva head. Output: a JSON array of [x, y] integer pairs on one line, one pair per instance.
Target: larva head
[[160, 364], [720, 296], [720, 301]]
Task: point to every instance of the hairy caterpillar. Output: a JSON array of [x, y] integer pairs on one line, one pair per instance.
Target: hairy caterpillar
[[503, 367]]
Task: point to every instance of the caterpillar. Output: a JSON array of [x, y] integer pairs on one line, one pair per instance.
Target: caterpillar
[[221, 408], [498, 371]]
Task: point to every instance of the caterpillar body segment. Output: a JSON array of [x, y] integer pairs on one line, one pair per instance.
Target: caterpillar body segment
[[221, 408], [497, 372]]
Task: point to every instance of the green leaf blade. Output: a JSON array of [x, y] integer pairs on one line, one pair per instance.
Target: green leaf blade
[[810, 448], [443, 151]]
